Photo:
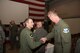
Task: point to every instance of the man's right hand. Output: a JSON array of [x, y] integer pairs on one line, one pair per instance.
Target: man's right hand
[[43, 40]]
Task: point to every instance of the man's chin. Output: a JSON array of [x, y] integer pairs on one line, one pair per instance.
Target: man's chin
[[32, 27]]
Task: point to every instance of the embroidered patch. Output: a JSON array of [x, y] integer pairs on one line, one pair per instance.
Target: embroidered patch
[[31, 35], [65, 30]]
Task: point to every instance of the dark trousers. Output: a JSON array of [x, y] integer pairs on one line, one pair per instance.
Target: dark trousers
[[1, 48], [40, 49], [77, 49]]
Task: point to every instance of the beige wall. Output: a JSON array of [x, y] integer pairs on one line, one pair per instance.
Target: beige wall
[[10, 10], [74, 25], [69, 9]]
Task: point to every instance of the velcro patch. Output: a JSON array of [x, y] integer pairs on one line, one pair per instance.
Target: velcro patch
[[65, 30]]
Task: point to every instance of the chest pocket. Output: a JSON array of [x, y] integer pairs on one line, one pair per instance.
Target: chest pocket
[[57, 35]]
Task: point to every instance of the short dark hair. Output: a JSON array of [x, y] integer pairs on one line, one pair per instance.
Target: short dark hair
[[27, 19], [21, 23]]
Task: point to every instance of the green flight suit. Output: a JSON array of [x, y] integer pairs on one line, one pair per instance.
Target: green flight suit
[[62, 37], [27, 42], [2, 39]]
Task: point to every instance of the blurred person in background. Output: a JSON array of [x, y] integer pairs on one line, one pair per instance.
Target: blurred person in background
[[13, 32], [2, 38], [40, 32]]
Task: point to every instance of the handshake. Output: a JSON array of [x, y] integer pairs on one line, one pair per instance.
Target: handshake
[[43, 39]]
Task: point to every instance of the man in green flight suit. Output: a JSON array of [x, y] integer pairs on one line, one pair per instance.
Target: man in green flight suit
[[60, 33], [27, 42], [2, 39]]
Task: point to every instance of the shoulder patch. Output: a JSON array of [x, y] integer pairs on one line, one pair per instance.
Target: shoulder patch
[[65, 30], [31, 35]]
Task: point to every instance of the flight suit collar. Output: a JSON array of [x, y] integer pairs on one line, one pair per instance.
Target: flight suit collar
[[60, 22], [28, 29], [31, 34]]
